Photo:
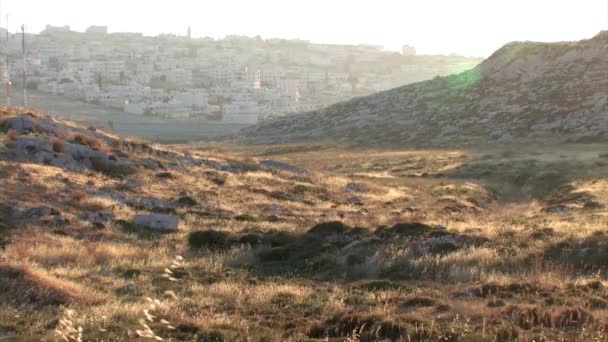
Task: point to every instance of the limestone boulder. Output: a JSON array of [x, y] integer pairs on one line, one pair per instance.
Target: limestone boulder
[[157, 222]]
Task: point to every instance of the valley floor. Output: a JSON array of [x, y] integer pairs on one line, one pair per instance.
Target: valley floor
[[308, 243], [151, 128]]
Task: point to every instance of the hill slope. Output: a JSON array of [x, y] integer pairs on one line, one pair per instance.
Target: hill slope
[[105, 238], [549, 92]]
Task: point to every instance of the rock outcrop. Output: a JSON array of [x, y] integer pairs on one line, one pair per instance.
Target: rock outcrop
[[46, 141], [157, 222]]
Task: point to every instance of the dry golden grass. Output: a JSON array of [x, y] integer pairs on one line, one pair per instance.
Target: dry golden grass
[[533, 273], [26, 285], [90, 141]]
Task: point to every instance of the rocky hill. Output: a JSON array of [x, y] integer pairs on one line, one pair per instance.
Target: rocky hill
[[546, 92]]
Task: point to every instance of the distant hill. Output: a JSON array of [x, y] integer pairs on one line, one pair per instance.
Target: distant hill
[[526, 91]]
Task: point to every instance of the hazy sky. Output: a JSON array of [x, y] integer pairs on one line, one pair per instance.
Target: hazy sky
[[469, 27]]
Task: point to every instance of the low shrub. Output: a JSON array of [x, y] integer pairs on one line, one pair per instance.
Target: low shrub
[[420, 302], [210, 239], [78, 195], [12, 135], [58, 145], [90, 141]]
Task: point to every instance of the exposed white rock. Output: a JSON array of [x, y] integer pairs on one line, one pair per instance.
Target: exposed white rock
[[157, 222]]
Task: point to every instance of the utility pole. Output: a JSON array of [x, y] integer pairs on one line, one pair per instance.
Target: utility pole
[[24, 66], [6, 48], [8, 70]]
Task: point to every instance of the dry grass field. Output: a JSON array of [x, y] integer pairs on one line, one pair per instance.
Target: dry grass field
[[303, 243]]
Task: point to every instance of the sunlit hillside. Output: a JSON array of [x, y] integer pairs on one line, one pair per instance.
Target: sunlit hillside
[[107, 238]]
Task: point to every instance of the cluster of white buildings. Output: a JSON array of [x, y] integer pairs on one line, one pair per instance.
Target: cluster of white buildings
[[236, 79]]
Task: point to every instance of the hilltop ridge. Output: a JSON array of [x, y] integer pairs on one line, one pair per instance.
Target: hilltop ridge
[[525, 92]]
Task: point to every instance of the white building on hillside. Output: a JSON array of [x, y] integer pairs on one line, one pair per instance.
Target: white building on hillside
[[193, 98], [180, 78], [97, 30], [408, 50], [110, 69]]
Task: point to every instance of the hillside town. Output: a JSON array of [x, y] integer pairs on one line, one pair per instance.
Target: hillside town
[[237, 79]]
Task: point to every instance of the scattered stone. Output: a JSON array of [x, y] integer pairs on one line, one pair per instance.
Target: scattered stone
[[216, 165], [96, 217], [153, 204], [57, 221], [150, 164], [11, 211], [157, 222], [273, 208], [134, 183], [104, 271], [355, 187], [38, 212], [74, 157], [21, 124], [356, 200], [557, 209]]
